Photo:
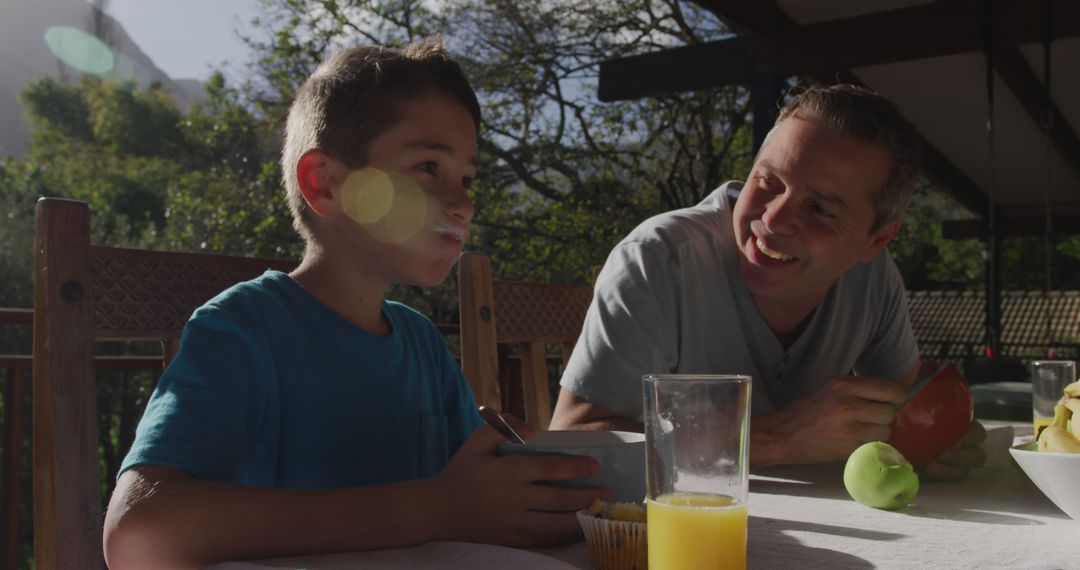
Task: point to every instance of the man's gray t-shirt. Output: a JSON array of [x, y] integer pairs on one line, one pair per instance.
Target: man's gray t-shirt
[[670, 300]]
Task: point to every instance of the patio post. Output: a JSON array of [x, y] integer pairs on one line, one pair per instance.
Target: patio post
[[993, 292], [765, 92]]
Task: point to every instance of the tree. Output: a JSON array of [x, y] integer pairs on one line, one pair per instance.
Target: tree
[[108, 145], [928, 261], [229, 198], [563, 177], [925, 258], [156, 178], [18, 192]]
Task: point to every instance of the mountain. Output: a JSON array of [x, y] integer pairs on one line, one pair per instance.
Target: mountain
[[30, 32]]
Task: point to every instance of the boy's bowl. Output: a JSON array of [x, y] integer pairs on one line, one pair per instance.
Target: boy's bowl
[[1053, 473], [935, 418], [621, 455]]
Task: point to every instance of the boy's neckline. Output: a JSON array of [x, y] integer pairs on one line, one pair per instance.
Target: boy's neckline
[[384, 330], [349, 296]]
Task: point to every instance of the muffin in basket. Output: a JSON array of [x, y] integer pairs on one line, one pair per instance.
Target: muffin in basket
[[616, 535]]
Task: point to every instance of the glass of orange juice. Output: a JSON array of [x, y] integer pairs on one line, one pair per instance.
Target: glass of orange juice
[[1048, 380], [697, 444]]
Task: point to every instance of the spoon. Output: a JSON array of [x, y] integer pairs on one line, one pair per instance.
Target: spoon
[[495, 420]]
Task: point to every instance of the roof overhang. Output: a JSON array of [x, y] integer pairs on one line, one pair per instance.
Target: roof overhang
[[930, 58]]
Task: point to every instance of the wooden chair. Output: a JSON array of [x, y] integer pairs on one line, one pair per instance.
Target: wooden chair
[[84, 293], [498, 314]]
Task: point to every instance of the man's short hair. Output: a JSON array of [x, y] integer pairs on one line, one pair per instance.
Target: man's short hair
[[867, 116], [354, 96]]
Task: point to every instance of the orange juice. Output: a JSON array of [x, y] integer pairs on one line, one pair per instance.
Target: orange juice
[[690, 530]]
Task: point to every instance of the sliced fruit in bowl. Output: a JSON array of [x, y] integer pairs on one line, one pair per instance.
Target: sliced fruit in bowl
[[1053, 462]]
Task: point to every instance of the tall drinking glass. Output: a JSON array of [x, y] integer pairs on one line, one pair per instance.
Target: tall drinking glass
[[1048, 381], [697, 443]]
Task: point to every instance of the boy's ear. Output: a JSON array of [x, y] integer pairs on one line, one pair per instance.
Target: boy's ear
[[319, 177], [879, 240]]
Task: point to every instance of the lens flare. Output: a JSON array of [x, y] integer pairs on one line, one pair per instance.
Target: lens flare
[[127, 69], [391, 207], [80, 50]]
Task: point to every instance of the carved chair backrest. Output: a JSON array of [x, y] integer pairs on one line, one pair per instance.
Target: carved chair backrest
[[497, 314], [84, 293]]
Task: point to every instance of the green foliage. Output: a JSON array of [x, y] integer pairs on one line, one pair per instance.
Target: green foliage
[[563, 176], [154, 177], [18, 191], [1025, 261], [58, 110], [927, 260], [133, 123], [229, 198]]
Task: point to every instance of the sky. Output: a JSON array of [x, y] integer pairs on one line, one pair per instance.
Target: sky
[[188, 38]]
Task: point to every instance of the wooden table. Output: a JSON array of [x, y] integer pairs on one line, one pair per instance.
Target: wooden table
[[801, 517]]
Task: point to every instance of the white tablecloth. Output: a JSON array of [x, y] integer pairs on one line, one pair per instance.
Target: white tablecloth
[[801, 517], [432, 556]]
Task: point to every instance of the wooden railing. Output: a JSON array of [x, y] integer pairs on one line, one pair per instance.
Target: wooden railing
[[16, 370]]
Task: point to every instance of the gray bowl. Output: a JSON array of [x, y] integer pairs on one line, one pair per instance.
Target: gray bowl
[[621, 455]]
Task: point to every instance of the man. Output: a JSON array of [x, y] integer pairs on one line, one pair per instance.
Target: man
[[789, 283]]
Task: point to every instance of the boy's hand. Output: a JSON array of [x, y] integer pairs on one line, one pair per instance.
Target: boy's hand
[[487, 498]]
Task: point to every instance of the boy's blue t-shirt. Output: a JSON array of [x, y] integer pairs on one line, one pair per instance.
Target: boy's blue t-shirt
[[272, 387]]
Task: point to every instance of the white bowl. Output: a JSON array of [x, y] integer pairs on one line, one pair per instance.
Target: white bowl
[[621, 455], [1055, 474]]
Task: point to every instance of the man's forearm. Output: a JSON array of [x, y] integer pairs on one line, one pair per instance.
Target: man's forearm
[[768, 442], [611, 423], [574, 412], [767, 447]]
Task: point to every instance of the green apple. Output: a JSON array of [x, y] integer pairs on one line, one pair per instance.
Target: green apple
[[877, 475]]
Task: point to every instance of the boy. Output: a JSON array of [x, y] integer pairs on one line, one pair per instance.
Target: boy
[[303, 412]]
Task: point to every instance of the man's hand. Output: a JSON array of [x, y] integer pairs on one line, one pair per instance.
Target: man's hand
[[827, 425], [967, 454], [487, 498]]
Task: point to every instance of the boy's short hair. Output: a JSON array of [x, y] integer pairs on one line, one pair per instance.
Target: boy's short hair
[[867, 116], [354, 96]]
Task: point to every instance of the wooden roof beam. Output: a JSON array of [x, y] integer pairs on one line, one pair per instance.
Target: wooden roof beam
[[1031, 93], [935, 165], [940, 28], [943, 173], [931, 30], [757, 16], [1063, 224], [687, 68], [946, 26], [1014, 20]]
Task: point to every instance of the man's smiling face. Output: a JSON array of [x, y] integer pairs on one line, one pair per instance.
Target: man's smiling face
[[804, 216]]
